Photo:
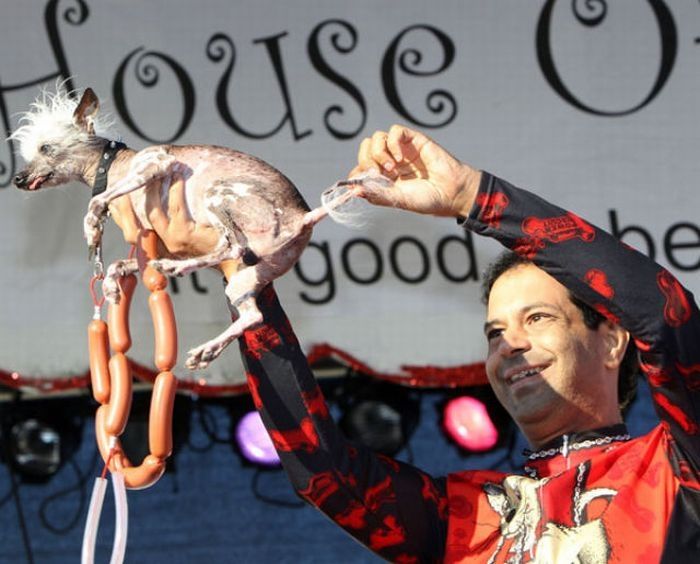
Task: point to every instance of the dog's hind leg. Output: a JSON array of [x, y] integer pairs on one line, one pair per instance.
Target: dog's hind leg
[[241, 290], [234, 207]]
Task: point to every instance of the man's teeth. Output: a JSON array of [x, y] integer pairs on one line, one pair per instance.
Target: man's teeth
[[525, 374]]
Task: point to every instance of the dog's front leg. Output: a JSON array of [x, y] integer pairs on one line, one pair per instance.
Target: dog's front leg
[[147, 165]]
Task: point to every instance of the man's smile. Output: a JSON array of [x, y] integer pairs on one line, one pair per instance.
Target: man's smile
[[519, 373]]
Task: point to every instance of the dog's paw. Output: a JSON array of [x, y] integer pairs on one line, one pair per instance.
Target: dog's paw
[[92, 222], [110, 290], [199, 357], [110, 284], [92, 230], [97, 207]]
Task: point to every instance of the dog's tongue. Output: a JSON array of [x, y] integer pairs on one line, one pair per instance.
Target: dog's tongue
[[34, 184]]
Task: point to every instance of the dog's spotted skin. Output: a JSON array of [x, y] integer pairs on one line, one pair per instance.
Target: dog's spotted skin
[[262, 220]]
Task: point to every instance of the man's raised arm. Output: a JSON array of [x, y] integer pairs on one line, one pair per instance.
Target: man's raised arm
[[623, 285]]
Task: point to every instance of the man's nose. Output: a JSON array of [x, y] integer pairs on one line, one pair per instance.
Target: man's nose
[[514, 340]]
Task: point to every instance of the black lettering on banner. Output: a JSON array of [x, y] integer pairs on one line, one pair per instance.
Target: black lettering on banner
[[671, 246], [394, 260], [597, 10], [322, 66], [643, 233], [439, 102], [327, 278], [196, 284], [75, 15], [374, 250], [472, 272], [148, 74], [175, 284], [217, 48], [450, 251]]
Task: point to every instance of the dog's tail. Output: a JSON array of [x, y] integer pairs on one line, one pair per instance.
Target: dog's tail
[[341, 204]]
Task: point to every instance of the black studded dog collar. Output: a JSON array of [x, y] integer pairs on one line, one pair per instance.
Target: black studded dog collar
[[108, 155]]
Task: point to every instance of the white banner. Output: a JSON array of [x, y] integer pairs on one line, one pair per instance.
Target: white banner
[[593, 105]]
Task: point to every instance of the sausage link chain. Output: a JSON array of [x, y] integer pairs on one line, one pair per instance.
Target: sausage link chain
[[111, 376]]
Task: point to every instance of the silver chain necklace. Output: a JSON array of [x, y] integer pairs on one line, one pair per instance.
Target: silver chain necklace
[[588, 443]]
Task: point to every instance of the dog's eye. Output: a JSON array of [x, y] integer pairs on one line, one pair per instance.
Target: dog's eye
[[45, 149]]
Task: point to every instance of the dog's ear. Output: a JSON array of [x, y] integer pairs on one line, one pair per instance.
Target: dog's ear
[[86, 110]]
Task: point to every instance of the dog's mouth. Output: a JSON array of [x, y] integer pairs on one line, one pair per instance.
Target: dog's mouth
[[39, 181]]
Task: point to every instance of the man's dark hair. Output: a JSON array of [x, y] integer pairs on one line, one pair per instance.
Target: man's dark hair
[[629, 368]]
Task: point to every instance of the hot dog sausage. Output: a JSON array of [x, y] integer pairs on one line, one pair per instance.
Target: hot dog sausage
[[165, 353], [139, 477], [118, 316], [120, 395], [98, 350], [160, 422]]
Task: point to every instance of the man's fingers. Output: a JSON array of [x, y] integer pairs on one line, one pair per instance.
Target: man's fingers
[[364, 155], [396, 153], [355, 171], [373, 153], [380, 152], [177, 201], [397, 137], [405, 144], [154, 206]]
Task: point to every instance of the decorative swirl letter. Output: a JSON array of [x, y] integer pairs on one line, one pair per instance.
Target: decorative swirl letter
[[325, 69], [216, 51], [591, 14], [438, 101], [148, 75]]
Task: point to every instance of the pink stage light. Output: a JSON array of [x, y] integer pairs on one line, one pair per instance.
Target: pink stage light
[[468, 423], [254, 442]]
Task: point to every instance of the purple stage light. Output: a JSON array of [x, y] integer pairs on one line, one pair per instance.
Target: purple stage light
[[254, 442]]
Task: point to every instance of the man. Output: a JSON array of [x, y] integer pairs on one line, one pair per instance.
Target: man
[[590, 493]]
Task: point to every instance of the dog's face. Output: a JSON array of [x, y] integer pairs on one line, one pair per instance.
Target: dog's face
[[57, 141]]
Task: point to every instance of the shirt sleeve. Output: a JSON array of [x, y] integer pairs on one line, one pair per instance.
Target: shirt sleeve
[[622, 284], [393, 508]]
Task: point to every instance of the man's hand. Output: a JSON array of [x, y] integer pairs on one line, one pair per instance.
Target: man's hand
[[175, 227], [427, 179]]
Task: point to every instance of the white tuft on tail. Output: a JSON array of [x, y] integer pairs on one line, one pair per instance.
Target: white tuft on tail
[[343, 206]]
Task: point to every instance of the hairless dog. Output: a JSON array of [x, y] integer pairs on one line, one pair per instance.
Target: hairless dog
[[262, 221]]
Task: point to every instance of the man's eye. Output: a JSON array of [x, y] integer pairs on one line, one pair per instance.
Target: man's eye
[[535, 317], [493, 334]]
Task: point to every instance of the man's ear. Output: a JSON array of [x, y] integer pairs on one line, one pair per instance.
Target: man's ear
[[616, 341], [84, 114]]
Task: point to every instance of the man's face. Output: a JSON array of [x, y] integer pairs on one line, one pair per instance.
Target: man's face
[[545, 366]]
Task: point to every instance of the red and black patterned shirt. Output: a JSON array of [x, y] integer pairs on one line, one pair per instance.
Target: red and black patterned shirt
[[597, 496]]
